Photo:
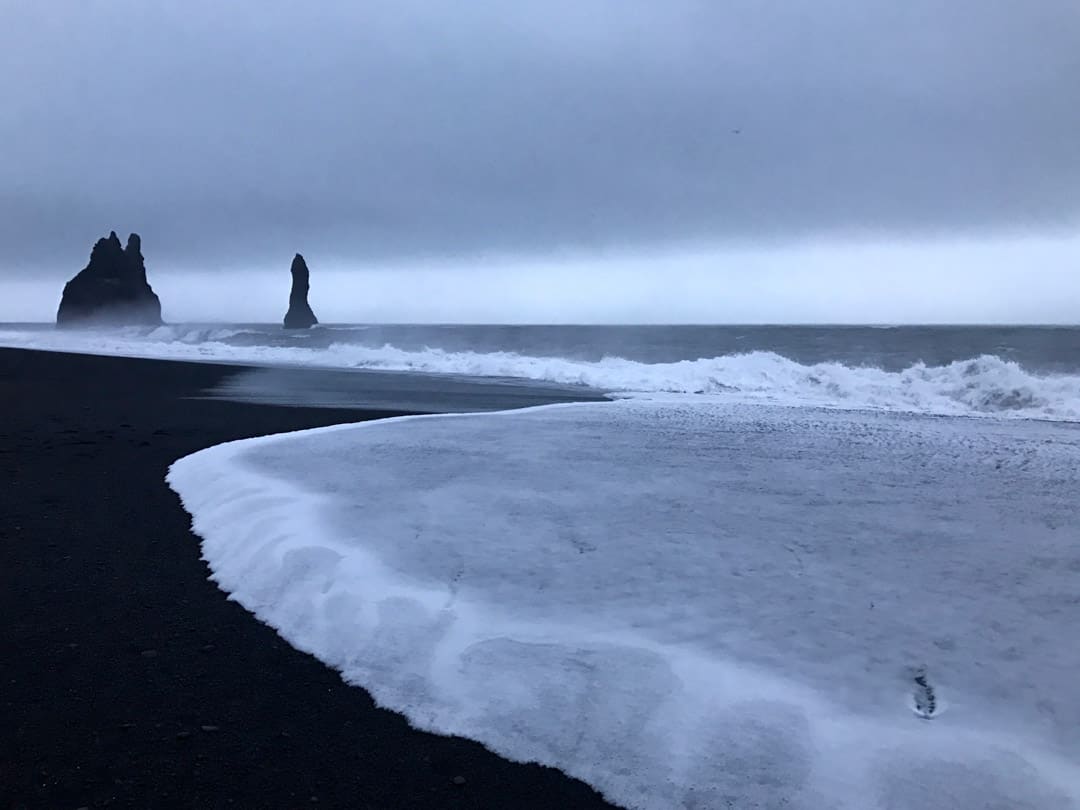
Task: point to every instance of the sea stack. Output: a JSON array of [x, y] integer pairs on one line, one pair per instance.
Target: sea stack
[[299, 315], [112, 289]]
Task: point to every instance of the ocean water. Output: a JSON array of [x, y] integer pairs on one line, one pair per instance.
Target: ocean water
[[1031, 372], [687, 604], [764, 567]]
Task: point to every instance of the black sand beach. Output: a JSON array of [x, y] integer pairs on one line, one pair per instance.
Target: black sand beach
[[126, 678]]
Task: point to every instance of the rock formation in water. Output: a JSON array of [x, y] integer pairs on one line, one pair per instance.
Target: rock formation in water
[[111, 289], [299, 315]]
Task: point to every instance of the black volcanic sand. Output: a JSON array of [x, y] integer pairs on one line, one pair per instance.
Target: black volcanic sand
[[127, 679]]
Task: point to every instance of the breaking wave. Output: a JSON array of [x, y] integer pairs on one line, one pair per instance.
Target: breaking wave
[[984, 385]]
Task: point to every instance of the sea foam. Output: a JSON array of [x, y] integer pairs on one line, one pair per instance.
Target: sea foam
[[685, 605], [981, 386]]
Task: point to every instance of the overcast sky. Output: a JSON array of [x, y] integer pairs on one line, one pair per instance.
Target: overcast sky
[[559, 156]]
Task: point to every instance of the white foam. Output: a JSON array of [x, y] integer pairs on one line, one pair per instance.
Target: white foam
[[191, 335], [981, 386], [686, 606]]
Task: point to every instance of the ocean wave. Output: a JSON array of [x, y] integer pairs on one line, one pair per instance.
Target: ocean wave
[[984, 385], [183, 334], [678, 618]]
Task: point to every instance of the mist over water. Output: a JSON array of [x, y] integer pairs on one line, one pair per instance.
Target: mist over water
[[1014, 280], [1042, 349]]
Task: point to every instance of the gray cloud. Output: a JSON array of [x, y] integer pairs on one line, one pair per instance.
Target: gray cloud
[[375, 131]]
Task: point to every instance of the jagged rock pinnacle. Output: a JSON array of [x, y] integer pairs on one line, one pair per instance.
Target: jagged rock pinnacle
[[111, 289]]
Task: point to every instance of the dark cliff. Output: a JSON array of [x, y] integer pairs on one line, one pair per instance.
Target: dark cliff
[[299, 315], [111, 289]]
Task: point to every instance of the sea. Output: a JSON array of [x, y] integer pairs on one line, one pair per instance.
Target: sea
[[1010, 371], [710, 567]]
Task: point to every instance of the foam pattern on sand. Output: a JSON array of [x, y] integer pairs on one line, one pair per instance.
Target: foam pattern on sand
[[685, 606], [981, 386]]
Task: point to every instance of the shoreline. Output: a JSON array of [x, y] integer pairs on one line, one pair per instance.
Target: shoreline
[[130, 679]]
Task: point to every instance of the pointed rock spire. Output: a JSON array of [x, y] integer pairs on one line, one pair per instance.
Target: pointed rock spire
[[299, 315]]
